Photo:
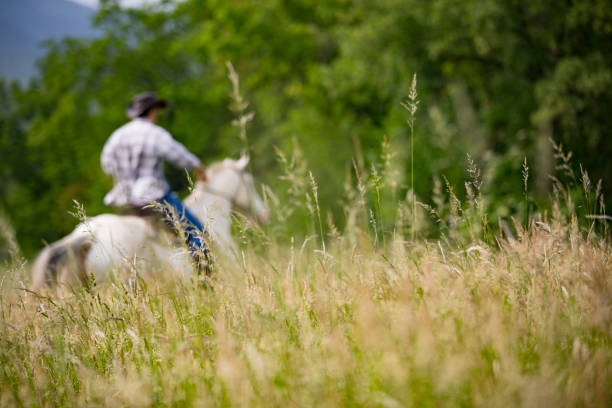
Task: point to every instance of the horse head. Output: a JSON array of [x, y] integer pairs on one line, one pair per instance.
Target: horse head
[[229, 179]]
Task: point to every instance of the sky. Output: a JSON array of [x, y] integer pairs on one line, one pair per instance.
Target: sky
[[127, 3], [26, 24]]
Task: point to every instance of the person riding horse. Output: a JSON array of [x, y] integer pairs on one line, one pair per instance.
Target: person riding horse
[[134, 155]]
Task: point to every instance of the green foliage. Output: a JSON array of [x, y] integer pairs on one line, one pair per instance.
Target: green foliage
[[497, 78]]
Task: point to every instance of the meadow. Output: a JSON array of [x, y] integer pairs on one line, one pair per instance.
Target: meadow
[[404, 265], [366, 316]]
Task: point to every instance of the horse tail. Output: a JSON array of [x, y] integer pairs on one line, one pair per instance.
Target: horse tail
[[57, 260]]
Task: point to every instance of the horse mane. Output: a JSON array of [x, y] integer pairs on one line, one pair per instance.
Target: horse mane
[[217, 166]]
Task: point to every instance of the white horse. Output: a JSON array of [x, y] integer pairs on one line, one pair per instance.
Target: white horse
[[125, 243]]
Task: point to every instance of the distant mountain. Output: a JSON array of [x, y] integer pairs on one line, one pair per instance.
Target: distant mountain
[[25, 24]]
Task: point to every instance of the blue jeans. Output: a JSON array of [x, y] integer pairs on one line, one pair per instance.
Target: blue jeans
[[174, 207]]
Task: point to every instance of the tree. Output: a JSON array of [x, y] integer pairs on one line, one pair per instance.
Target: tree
[[497, 78]]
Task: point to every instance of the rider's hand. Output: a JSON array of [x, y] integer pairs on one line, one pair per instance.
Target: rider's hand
[[200, 173]]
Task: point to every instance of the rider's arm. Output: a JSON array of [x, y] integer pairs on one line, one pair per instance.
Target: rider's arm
[[175, 152]]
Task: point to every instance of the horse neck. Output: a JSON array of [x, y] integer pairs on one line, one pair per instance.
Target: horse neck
[[209, 205]]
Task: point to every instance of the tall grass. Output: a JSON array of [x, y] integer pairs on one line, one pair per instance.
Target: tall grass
[[525, 322], [411, 105], [520, 316]]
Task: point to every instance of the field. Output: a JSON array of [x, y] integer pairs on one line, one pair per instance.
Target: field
[[441, 249], [518, 321], [405, 305]]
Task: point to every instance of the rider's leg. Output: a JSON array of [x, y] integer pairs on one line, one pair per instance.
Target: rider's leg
[[174, 207]]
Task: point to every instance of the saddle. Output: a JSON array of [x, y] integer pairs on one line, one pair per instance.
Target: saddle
[[152, 217]]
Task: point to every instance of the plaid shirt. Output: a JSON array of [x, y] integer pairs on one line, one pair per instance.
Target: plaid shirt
[[134, 156]]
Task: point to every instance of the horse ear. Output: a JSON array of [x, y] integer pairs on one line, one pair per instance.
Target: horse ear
[[242, 162]]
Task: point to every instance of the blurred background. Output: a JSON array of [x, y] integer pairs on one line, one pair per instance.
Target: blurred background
[[502, 81]]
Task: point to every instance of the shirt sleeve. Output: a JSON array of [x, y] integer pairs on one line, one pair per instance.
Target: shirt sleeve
[[175, 152], [107, 159]]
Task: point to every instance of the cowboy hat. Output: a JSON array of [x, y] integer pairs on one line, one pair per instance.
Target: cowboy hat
[[143, 102]]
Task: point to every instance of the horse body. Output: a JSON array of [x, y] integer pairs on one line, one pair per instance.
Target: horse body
[[215, 211], [126, 244]]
